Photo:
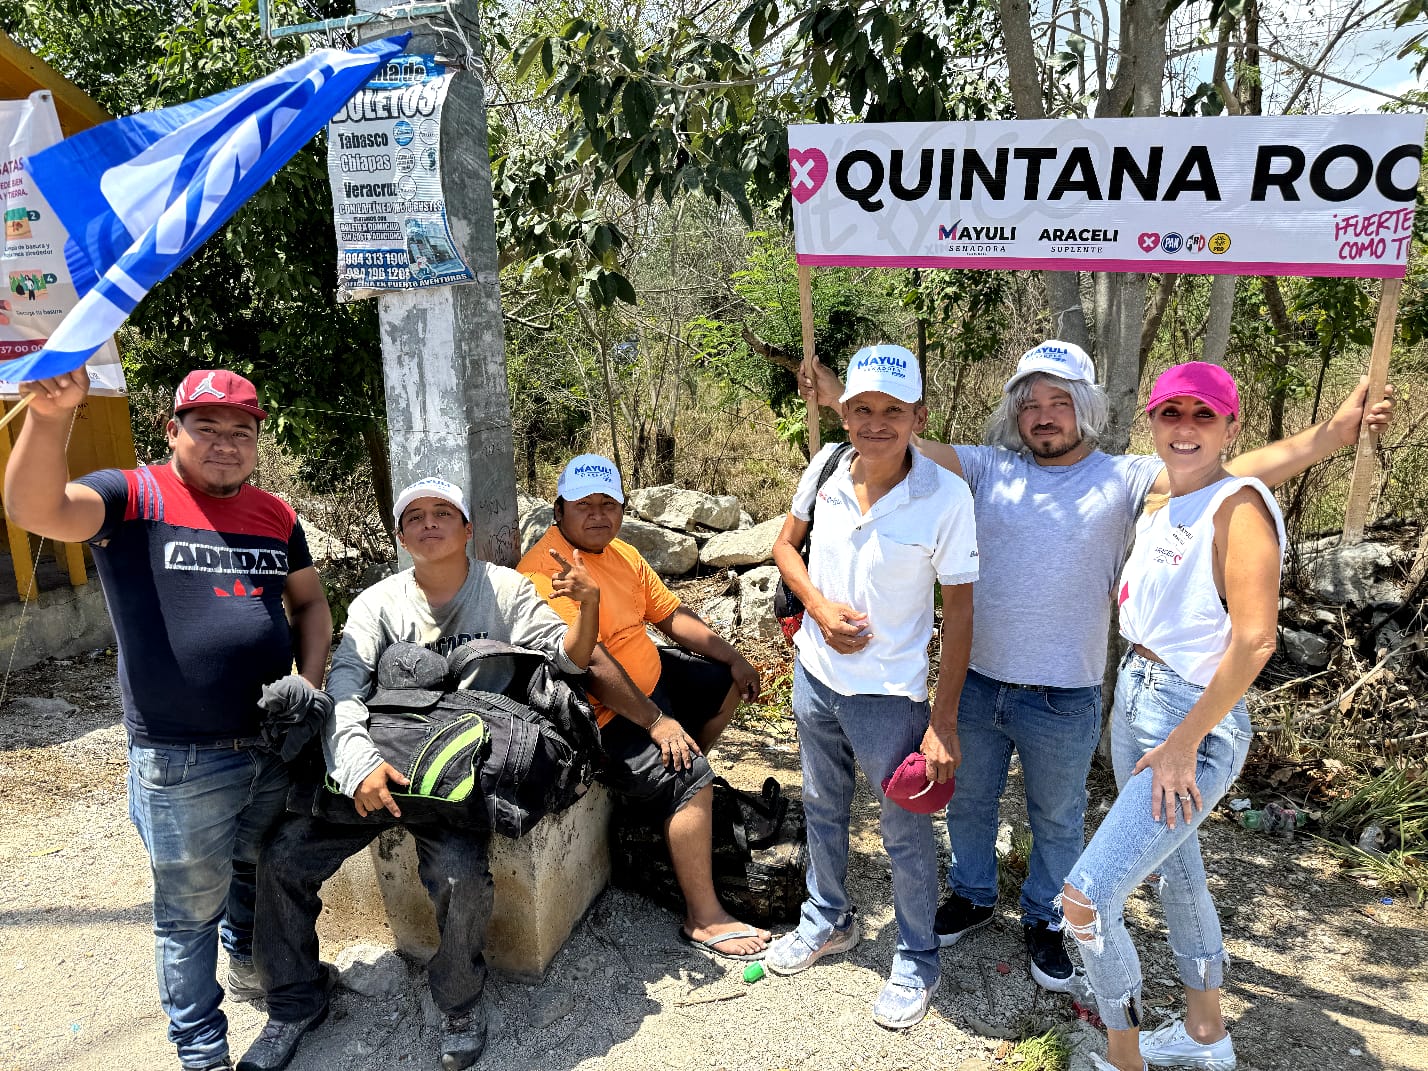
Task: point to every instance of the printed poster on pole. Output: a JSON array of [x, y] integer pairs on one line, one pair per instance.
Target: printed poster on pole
[[1290, 195], [384, 165], [38, 292]]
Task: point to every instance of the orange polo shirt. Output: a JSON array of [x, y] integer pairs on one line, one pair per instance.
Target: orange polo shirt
[[631, 594]]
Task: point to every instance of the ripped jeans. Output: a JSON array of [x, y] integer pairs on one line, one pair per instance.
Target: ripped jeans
[[1151, 700]]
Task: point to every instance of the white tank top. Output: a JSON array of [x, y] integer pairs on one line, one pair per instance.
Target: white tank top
[[1168, 602]]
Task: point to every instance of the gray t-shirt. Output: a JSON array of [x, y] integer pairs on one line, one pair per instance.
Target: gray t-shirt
[[494, 603], [1052, 541]]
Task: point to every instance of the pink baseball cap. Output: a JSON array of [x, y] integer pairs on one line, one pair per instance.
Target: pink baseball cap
[[909, 788], [217, 386], [1205, 382]]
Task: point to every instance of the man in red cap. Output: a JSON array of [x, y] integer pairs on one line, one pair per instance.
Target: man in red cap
[[213, 595]]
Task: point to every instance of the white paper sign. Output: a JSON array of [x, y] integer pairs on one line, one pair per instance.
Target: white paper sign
[[37, 292], [384, 165], [1294, 195]]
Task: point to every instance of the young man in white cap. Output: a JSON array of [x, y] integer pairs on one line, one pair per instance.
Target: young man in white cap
[[656, 756], [1055, 517], [887, 526], [213, 595], [443, 600]]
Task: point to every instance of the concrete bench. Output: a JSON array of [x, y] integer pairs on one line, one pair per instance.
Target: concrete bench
[[545, 882]]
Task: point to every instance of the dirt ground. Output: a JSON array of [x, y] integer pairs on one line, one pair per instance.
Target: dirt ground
[[1325, 974]]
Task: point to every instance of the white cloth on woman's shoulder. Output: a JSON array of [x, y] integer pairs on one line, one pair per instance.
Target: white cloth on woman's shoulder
[[884, 564], [1169, 603]]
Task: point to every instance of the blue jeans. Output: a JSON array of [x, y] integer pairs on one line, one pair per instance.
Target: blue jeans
[[202, 813], [1151, 700], [1055, 731], [879, 731]]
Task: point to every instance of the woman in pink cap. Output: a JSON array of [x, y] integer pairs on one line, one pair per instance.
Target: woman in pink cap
[[1198, 605]]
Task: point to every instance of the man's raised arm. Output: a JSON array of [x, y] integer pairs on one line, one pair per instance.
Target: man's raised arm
[[38, 494]]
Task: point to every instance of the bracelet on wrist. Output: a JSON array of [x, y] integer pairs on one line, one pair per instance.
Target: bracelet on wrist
[[650, 727]]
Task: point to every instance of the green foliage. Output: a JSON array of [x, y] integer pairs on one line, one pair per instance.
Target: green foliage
[[1048, 1051], [1396, 801], [649, 115], [968, 312]]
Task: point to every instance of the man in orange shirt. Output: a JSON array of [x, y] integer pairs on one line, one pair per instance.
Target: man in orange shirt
[[661, 762]]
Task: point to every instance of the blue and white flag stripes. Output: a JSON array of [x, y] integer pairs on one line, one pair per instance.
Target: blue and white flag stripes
[[140, 194]]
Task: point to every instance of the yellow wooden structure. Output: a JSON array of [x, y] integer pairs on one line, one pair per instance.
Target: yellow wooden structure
[[101, 437]]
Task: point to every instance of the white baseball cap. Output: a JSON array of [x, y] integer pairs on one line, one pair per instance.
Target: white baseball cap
[[1065, 360], [590, 474], [430, 487], [887, 369]]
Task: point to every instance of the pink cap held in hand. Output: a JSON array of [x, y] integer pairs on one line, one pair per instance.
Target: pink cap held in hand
[[909, 788]]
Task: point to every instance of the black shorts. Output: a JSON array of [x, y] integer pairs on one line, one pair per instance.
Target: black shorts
[[691, 690]]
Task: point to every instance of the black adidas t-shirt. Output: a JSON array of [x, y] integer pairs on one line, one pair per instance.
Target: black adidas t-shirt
[[194, 586]]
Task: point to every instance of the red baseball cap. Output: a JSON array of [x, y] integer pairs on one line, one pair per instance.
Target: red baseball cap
[[217, 386], [909, 788], [1205, 382]]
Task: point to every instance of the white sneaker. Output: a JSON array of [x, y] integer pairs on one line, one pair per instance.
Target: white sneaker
[[791, 953], [1170, 1046], [901, 1006], [1100, 1063]]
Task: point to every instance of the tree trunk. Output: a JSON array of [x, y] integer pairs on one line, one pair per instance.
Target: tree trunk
[[1165, 289], [1217, 327], [1283, 332], [374, 436], [1063, 288]]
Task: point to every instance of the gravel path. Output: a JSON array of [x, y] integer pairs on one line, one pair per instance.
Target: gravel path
[[1325, 975]]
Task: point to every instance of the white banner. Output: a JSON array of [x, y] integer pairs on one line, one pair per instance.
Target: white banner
[[384, 164], [1293, 195], [37, 289]]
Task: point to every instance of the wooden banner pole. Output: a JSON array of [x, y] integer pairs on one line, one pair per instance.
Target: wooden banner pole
[[805, 311], [1365, 461]]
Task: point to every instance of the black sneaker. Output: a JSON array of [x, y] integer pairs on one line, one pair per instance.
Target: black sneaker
[[958, 916], [1046, 956], [462, 1039], [278, 1043]]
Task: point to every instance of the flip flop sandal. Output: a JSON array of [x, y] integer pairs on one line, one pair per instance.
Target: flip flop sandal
[[710, 949]]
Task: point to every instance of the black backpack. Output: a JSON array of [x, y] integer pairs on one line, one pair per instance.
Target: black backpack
[[529, 756], [760, 854]]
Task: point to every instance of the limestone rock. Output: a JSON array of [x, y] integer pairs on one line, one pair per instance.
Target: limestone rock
[[372, 970], [756, 616], [324, 546], [751, 546], [550, 1005], [745, 521], [34, 706], [1352, 575], [1305, 648], [534, 517], [721, 614], [682, 509], [669, 553]]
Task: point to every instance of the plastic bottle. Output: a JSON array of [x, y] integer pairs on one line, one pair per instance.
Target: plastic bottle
[[1275, 818]]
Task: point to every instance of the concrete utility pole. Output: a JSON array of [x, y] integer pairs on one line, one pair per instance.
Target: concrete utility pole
[[443, 348]]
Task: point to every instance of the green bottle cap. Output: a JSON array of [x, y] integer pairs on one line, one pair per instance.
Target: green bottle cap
[[753, 972]]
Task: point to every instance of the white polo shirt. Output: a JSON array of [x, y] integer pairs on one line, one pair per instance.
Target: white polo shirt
[[884, 563]]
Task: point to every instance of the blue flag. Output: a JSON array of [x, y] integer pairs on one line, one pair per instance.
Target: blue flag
[[139, 195]]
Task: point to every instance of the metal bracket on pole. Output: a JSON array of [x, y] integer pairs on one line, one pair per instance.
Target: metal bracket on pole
[[403, 11]]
